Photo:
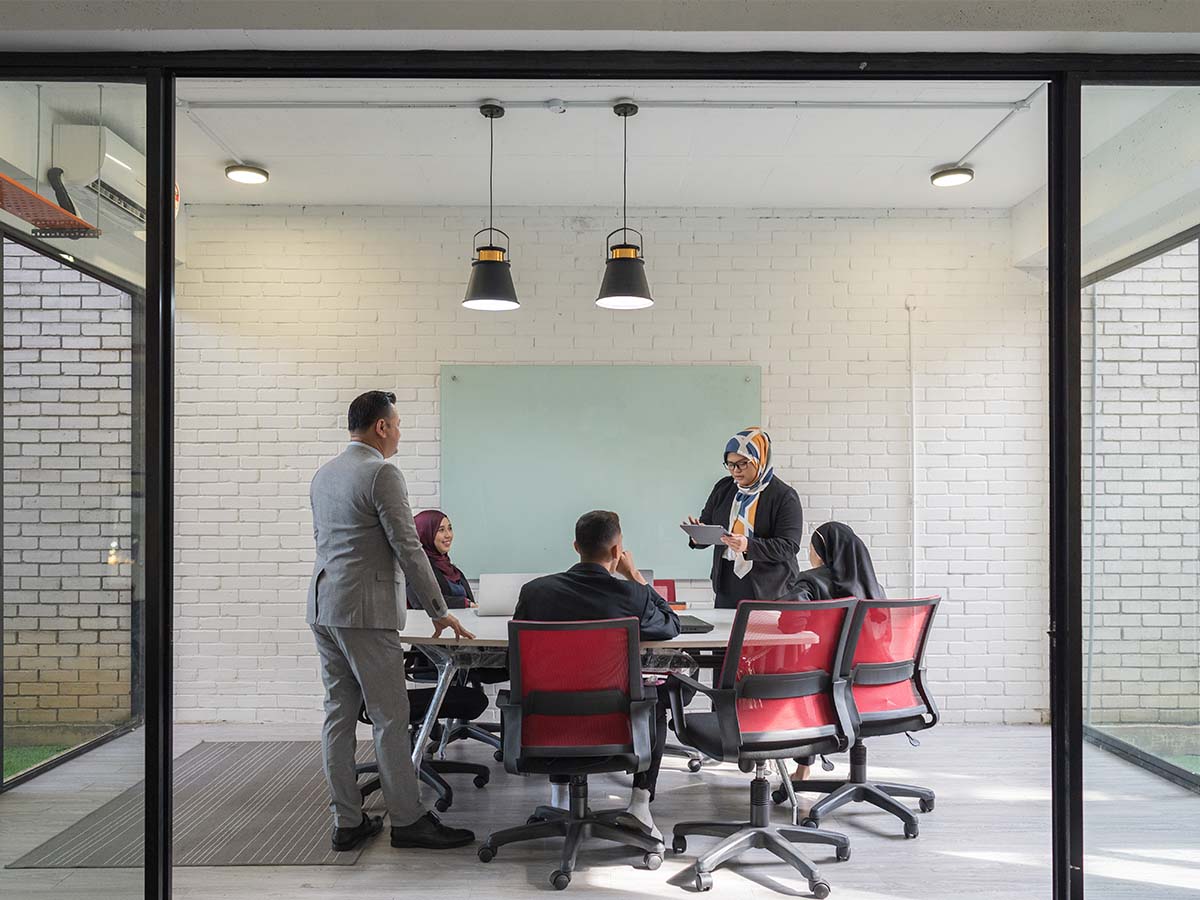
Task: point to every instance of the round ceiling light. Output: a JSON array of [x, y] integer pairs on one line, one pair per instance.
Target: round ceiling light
[[951, 177], [247, 174]]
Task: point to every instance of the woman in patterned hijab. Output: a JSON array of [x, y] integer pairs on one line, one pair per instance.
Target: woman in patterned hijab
[[765, 520]]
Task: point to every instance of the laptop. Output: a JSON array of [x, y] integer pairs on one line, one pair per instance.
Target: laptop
[[648, 574], [693, 625], [498, 593]]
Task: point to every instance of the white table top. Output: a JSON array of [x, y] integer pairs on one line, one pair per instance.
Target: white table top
[[492, 631]]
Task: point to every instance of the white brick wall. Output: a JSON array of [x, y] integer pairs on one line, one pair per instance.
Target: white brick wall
[[67, 486], [284, 314], [1142, 420]]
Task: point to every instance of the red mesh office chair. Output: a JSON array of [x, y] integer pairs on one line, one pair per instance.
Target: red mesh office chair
[[779, 696], [886, 672], [576, 707]]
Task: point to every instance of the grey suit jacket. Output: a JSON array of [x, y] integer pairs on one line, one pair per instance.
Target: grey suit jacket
[[367, 545]]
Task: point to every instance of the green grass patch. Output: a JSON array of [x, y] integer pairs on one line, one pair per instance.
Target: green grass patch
[[1190, 762], [18, 759]]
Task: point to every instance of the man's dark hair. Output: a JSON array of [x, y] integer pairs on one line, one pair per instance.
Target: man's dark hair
[[596, 532], [369, 408]]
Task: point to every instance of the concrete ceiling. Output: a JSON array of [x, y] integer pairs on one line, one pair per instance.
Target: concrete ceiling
[[857, 26], [779, 157]]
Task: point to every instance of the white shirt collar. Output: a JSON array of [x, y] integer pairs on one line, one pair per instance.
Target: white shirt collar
[[366, 446]]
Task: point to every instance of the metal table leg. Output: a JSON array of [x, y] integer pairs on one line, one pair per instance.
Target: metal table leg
[[791, 792], [447, 668]]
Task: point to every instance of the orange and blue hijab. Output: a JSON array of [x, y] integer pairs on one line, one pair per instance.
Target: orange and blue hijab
[[755, 445]]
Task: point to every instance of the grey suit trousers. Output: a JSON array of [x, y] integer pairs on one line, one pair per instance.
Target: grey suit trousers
[[360, 664]]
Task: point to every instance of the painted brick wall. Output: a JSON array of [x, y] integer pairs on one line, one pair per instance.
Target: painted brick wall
[[1141, 454], [284, 314], [67, 446]]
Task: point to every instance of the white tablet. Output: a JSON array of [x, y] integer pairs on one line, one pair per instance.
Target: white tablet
[[705, 534]]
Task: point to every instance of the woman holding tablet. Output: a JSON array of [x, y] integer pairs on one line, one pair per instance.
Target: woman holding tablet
[[756, 559]]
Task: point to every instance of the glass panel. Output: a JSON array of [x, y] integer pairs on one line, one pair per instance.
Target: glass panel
[[73, 595], [900, 328], [1141, 488]]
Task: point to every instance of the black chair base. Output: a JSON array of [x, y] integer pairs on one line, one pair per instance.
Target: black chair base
[[464, 730], [858, 789], [430, 773], [694, 758], [575, 826], [759, 833]]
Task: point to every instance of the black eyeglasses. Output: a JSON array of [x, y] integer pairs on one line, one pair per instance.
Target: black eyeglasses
[[738, 466]]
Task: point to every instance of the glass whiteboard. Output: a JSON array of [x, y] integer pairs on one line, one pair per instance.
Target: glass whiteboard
[[526, 450]]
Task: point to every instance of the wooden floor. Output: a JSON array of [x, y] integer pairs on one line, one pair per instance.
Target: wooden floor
[[989, 837]]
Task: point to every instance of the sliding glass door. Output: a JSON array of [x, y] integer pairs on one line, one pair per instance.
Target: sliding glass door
[[72, 236], [1140, 361]]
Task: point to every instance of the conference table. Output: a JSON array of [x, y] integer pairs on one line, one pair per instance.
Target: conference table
[[489, 648]]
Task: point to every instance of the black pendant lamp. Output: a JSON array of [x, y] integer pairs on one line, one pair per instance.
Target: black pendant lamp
[[624, 285], [490, 286]]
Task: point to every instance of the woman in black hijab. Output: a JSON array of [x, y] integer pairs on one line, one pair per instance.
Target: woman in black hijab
[[841, 567]]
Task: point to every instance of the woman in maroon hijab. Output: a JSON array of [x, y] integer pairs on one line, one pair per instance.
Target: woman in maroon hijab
[[437, 534]]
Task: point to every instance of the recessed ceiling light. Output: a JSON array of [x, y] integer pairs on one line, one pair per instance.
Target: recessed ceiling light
[[247, 174], [951, 177]]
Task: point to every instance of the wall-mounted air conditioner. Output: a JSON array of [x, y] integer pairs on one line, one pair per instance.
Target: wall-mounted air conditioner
[[95, 158]]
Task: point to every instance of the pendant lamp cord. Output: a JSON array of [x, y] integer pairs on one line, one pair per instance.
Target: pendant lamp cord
[[491, 153], [624, 176]]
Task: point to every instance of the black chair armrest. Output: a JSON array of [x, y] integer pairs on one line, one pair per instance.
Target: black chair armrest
[[923, 690], [641, 725], [676, 681], [724, 703], [510, 734]]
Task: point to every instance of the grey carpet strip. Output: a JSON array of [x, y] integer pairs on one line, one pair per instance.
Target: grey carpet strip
[[262, 803]]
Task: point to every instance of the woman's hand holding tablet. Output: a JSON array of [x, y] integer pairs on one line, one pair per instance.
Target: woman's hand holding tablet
[[704, 535]]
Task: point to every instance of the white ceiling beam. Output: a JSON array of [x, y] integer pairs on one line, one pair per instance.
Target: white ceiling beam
[[557, 106], [1139, 187]]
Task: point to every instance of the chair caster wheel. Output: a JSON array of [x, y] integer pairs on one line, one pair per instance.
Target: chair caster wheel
[[652, 861], [486, 853], [679, 844], [820, 889], [560, 880], [703, 881], [911, 831], [498, 756], [694, 764], [926, 805], [843, 854], [810, 822], [480, 780], [778, 796], [441, 804]]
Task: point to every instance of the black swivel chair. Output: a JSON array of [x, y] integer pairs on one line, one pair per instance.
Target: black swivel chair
[[577, 707], [461, 702], [885, 666], [778, 696], [419, 669]]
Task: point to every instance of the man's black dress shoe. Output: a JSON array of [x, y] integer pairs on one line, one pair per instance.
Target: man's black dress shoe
[[350, 838], [430, 833]]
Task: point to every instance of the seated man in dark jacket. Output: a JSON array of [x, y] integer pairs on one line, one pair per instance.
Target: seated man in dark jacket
[[588, 590]]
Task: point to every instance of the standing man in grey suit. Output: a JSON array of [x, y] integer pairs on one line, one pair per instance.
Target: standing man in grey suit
[[367, 546]]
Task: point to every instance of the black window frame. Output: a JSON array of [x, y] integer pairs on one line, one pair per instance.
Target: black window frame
[[1064, 72]]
